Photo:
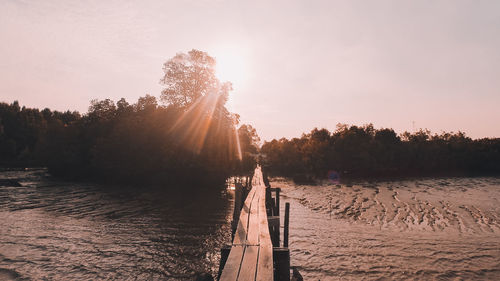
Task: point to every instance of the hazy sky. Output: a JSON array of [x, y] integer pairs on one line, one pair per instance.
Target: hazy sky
[[306, 64]]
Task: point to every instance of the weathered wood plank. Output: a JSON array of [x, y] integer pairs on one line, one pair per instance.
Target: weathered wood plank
[[233, 263], [251, 255], [224, 254], [265, 263], [249, 263], [253, 220], [240, 236]]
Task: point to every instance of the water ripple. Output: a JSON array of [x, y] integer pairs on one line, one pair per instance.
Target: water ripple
[[67, 231], [433, 229]]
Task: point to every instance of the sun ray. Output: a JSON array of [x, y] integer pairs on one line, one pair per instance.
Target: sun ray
[[238, 146], [196, 121]]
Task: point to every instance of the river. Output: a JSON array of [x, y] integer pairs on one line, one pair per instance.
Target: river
[[53, 230], [422, 229]]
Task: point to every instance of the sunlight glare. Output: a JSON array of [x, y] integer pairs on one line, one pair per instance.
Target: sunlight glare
[[231, 66]]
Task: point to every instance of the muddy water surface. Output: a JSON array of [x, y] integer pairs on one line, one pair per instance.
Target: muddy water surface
[[431, 229], [54, 230]]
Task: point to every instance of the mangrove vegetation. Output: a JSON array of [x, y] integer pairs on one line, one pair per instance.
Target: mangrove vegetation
[[187, 137], [363, 151]]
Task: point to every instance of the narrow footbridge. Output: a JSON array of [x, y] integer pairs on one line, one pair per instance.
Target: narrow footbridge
[[251, 252]]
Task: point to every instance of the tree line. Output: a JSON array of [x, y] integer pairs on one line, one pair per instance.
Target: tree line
[[363, 151], [187, 136], [22, 130]]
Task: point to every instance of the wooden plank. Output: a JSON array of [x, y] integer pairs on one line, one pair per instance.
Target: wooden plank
[[251, 255], [233, 263], [224, 254], [253, 220], [265, 262], [249, 263], [240, 236]]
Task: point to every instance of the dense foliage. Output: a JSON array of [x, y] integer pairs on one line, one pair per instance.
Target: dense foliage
[[355, 151], [188, 140], [22, 131], [122, 142]]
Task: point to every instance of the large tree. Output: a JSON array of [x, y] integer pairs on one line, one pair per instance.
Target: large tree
[[191, 77]]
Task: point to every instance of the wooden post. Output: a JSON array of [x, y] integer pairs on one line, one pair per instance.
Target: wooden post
[[269, 199], [287, 223], [281, 257], [277, 233], [278, 202], [274, 230]]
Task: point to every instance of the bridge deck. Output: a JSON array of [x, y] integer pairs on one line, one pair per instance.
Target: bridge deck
[[251, 255]]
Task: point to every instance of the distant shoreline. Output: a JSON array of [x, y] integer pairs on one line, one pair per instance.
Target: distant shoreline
[[312, 180]]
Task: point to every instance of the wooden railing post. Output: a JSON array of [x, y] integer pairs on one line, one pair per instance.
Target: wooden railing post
[[277, 202], [269, 205], [287, 224], [281, 257]]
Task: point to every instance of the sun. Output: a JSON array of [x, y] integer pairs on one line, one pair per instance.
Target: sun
[[231, 66]]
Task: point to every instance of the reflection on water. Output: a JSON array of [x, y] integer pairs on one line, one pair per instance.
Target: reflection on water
[[54, 230], [435, 229], [432, 229]]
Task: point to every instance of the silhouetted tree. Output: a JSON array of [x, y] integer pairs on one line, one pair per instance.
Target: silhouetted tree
[[192, 140], [364, 151], [249, 148], [189, 77]]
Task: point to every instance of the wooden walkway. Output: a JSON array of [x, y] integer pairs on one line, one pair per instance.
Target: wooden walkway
[[251, 255]]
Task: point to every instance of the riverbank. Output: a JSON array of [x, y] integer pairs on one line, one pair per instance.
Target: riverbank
[[433, 229]]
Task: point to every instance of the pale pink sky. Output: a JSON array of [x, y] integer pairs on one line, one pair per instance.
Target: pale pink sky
[[308, 63]]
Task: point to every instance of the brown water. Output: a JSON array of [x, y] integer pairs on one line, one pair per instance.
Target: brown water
[[65, 231], [430, 229]]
